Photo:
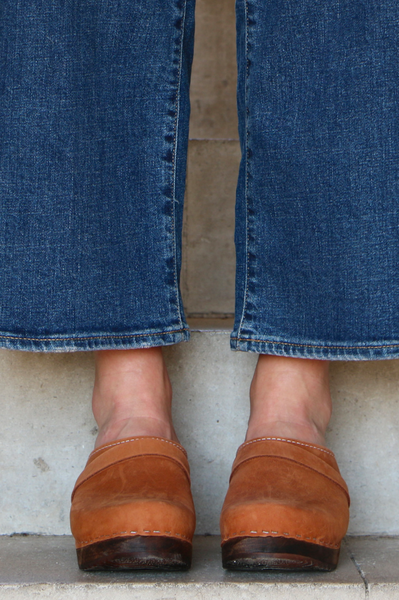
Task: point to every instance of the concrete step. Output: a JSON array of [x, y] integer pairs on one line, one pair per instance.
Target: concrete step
[[46, 566], [47, 431]]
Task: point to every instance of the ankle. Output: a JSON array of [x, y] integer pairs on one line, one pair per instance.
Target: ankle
[[132, 395], [290, 398]]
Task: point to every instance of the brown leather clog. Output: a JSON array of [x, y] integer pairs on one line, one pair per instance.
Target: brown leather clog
[[132, 507], [287, 507]]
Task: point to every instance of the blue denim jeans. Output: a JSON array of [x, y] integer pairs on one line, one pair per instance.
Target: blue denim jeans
[[94, 111]]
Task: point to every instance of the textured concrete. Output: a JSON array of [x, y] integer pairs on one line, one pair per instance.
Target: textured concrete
[[213, 84], [208, 271], [364, 434], [377, 560], [47, 431], [46, 567]]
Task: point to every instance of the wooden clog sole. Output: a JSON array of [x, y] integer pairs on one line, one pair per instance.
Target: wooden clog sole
[[277, 553], [153, 553]]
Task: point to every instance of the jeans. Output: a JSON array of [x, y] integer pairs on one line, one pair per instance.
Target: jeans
[[94, 111]]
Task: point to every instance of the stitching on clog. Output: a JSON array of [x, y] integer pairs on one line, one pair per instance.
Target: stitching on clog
[[277, 439], [112, 535], [286, 535], [87, 478], [146, 437], [252, 458]]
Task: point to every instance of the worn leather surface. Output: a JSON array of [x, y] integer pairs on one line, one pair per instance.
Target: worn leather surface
[[286, 488], [130, 487]]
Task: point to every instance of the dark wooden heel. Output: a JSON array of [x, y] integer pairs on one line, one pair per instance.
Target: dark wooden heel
[[139, 552], [278, 553]]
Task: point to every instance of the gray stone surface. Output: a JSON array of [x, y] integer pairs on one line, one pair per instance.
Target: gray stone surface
[[46, 567], [364, 435], [378, 561], [213, 83], [208, 272], [46, 434], [47, 431]]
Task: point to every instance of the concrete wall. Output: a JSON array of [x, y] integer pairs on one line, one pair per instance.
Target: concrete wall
[[47, 431]]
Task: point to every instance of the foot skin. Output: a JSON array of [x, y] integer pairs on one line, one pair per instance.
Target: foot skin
[[290, 398], [132, 395]]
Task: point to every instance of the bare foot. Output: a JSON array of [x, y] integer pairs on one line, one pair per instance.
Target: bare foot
[[132, 395], [290, 397]]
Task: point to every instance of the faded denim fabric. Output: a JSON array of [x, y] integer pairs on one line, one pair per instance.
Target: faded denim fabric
[[94, 112], [318, 196], [93, 131]]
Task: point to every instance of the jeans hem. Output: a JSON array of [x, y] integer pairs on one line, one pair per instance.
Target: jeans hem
[[320, 351], [89, 342]]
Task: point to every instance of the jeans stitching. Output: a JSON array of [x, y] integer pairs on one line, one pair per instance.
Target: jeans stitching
[[91, 337], [176, 134], [325, 346], [246, 165]]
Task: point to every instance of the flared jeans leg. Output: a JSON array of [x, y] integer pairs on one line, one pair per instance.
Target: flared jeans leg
[[317, 229], [93, 132]]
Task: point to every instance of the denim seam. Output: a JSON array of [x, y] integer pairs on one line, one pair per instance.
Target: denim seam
[[91, 337], [176, 141], [327, 347], [246, 166]]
